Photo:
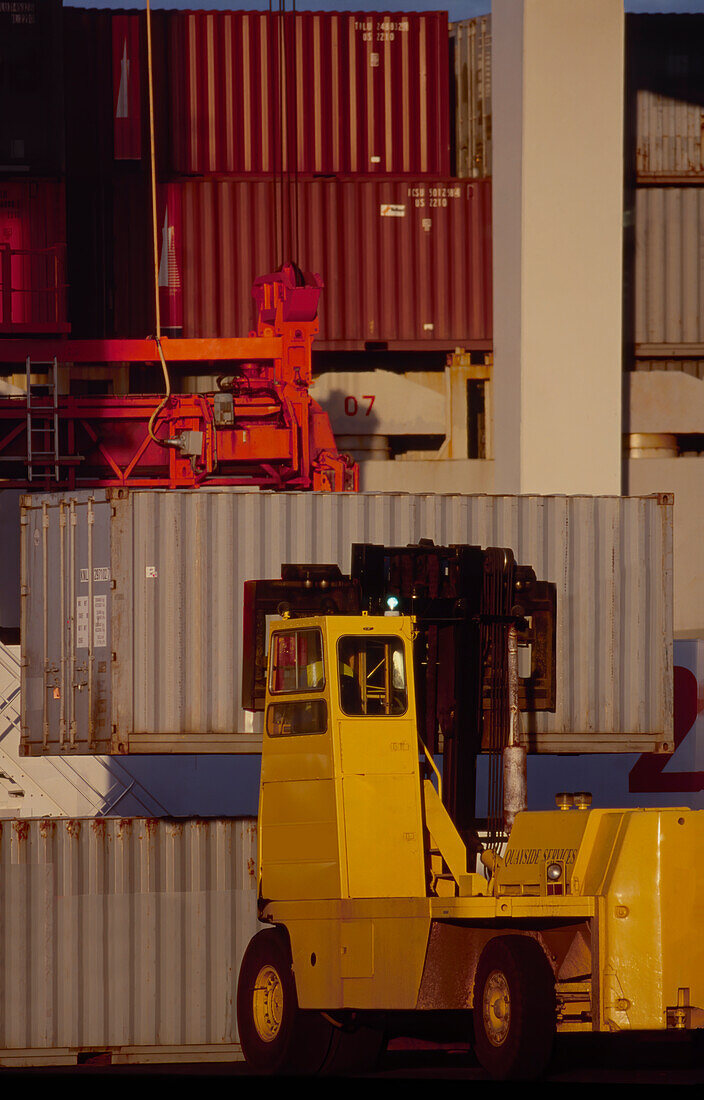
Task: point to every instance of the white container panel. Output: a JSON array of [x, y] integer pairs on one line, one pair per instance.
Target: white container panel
[[179, 561], [123, 933], [470, 52], [669, 271], [669, 136]]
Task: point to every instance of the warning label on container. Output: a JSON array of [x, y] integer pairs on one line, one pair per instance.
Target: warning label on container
[[100, 622], [82, 622], [393, 210]]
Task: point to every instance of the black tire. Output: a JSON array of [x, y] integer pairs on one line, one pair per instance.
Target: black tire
[[275, 1035], [514, 1009]]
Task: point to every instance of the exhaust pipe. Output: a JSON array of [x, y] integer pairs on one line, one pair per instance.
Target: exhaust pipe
[[515, 770]]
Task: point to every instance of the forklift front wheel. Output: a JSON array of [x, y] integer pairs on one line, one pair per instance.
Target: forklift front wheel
[[514, 1009], [275, 1035]]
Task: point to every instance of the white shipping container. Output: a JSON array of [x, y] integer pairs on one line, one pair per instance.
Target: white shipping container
[[669, 272], [669, 136], [132, 623], [470, 57], [125, 936]]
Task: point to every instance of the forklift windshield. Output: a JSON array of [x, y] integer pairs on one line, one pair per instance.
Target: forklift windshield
[[372, 674], [296, 661]]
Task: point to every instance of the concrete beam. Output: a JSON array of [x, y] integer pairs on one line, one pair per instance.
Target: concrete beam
[[557, 94]]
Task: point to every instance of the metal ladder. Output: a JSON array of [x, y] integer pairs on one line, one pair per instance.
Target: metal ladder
[[43, 424]]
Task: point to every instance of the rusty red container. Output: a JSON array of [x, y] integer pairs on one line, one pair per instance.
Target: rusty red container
[[406, 264], [313, 92], [32, 256]]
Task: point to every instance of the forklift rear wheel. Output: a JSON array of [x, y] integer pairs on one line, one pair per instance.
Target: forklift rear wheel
[[275, 1035], [514, 1009]]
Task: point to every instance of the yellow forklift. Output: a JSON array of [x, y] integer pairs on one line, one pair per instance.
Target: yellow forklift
[[393, 908]]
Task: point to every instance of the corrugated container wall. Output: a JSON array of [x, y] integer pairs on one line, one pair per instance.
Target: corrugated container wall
[[107, 106], [404, 263], [123, 935], [665, 94], [470, 65], [313, 92], [32, 256], [670, 141], [664, 101], [31, 88], [132, 641], [261, 93], [669, 271]]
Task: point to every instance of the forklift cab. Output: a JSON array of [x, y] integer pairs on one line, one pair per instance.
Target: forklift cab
[[340, 803], [368, 671]]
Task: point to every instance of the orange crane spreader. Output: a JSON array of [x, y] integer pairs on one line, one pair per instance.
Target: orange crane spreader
[[260, 428]]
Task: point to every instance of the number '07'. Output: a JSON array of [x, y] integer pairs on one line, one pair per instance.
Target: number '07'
[[352, 404]]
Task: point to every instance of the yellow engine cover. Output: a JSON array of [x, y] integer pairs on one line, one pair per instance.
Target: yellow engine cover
[[642, 868]]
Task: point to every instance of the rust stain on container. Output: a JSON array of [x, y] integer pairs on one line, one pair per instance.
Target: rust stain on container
[[663, 97]]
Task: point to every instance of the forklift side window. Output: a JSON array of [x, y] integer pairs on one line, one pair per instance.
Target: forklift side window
[[296, 661], [372, 676], [299, 717]]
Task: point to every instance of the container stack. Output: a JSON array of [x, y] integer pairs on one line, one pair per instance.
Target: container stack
[[323, 138], [665, 203], [108, 172], [32, 183]]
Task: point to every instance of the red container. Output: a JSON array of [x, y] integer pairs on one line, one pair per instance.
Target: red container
[[406, 264], [88, 92], [126, 87], [239, 93], [32, 257], [131, 263], [313, 92]]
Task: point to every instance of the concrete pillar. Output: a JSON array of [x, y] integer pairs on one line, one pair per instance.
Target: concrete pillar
[[557, 100]]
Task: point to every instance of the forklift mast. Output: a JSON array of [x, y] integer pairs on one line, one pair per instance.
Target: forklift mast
[[462, 599]]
